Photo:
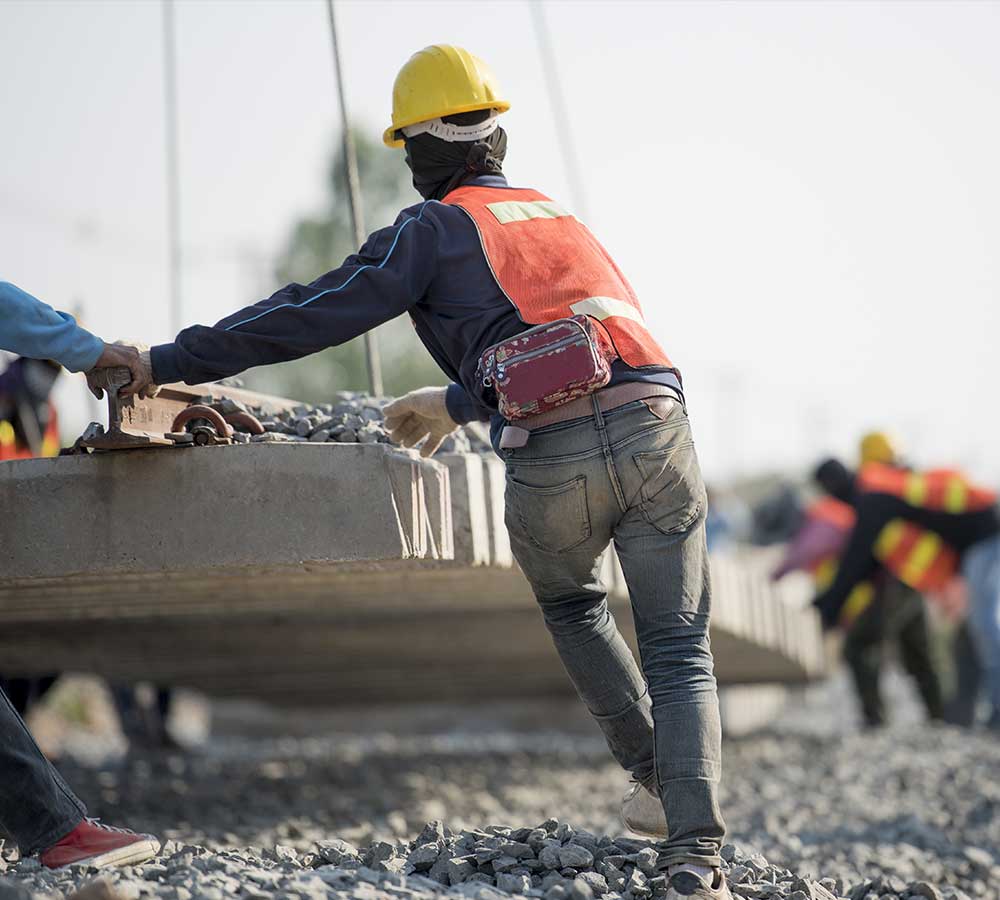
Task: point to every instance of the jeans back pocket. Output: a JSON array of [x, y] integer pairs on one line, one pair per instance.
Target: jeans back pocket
[[672, 494], [554, 517]]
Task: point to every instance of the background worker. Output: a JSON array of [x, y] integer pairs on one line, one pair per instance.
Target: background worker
[[479, 262], [899, 615], [880, 609], [37, 808], [923, 527]]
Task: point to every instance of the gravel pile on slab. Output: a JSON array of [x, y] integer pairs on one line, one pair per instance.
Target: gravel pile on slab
[[352, 418]]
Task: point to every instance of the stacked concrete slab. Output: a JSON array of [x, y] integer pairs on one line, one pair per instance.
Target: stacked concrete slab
[[311, 573]]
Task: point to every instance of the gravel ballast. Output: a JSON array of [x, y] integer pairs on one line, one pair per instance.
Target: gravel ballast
[[471, 805]]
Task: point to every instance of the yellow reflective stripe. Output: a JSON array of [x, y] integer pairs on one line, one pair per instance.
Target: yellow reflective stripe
[[507, 211], [7, 436], [825, 572], [889, 538], [605, 308], [915, 491], [920, 558], [955, 495], [857, 602], [50, 446]]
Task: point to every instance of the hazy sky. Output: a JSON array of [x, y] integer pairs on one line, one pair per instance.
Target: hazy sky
[[806, 196]]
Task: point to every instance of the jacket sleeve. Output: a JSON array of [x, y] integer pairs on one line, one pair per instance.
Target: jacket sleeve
[[463, 408], [35, 330], [857, 561], [388, 276]]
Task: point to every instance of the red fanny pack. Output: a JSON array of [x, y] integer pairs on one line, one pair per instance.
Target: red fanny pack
[[546, 367]]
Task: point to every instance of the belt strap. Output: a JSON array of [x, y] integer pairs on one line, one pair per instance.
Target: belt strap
[[516, 435]]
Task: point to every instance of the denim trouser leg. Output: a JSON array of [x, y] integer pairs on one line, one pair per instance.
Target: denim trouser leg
[[36, 806], [630, 476], [981, 568]]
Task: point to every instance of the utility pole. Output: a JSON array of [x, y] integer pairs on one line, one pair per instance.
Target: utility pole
[[173, 174], [557, 102], [372, 356]]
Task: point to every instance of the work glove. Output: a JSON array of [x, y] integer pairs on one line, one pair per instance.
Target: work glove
[[420, 414], [134, 357]]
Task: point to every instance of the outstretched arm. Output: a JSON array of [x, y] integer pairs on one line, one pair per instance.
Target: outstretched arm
[[34, 329], [387, 277]]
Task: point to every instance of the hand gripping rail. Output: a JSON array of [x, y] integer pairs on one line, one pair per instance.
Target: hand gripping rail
[[178, 415]]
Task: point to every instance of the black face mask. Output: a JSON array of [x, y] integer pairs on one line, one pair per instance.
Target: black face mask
[[439, 166]]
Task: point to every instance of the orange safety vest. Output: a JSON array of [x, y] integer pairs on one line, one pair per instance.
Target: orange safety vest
[[551, 267], [11, 448], [842, 517], [914, 554]]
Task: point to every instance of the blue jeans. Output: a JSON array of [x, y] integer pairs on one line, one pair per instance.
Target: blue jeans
[[981, 569], [630, 476], [36, 806]]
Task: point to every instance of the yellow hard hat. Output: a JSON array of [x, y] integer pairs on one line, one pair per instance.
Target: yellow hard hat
[[878, 447], [437, 81]]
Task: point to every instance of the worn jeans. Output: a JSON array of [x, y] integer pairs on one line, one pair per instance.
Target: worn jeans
[[37, 808], [630, 476], [981, 569]]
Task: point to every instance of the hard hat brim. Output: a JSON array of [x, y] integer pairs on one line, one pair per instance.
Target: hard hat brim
[[389, 135]]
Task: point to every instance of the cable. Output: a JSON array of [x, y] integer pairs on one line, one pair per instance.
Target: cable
[[372, 356], [558, 103], [173, 165]]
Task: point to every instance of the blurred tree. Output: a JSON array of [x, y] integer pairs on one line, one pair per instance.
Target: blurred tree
[[320, 243]]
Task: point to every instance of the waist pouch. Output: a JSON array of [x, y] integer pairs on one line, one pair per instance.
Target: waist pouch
[[546, 367]]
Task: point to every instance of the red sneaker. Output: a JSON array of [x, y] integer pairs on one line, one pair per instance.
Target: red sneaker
[[94, 844]]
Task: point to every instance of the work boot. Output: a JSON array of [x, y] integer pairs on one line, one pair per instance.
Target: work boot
[[642, 812], [686, 885], [98, 845]]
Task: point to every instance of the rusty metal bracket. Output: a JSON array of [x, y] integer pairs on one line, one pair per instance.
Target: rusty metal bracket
[[134, 422], [220, 431]]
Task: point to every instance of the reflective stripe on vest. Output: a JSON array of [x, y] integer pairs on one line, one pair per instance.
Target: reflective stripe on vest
[[550, 266], [916, 556], [858, 600], [8, 440]]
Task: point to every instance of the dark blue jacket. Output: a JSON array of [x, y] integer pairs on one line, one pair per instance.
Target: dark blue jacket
[[429, 263]]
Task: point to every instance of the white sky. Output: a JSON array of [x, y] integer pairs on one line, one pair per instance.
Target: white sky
[[806, 196]]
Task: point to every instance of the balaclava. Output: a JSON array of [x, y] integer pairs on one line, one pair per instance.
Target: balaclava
[[440, 166]]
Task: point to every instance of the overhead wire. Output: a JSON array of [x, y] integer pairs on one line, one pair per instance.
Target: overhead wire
[[373, 358], [173, 165], [560, 115]]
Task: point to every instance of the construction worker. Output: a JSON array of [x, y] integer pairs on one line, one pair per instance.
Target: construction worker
[[478, 262], [37, 808], [898, 615], [35, 330], [922, 527], [879, 609]]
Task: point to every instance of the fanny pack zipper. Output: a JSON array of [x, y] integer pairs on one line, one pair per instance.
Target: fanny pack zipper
[[531, 354]]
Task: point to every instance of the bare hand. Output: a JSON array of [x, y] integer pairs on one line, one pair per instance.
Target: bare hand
[[135, 358]]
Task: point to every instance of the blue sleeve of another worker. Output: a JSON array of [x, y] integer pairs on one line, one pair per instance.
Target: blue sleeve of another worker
[[34, 329], [389, 275]]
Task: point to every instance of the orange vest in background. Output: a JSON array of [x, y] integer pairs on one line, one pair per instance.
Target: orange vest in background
[[11, 448], [942, 490], [915, 555], [551, 267]]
